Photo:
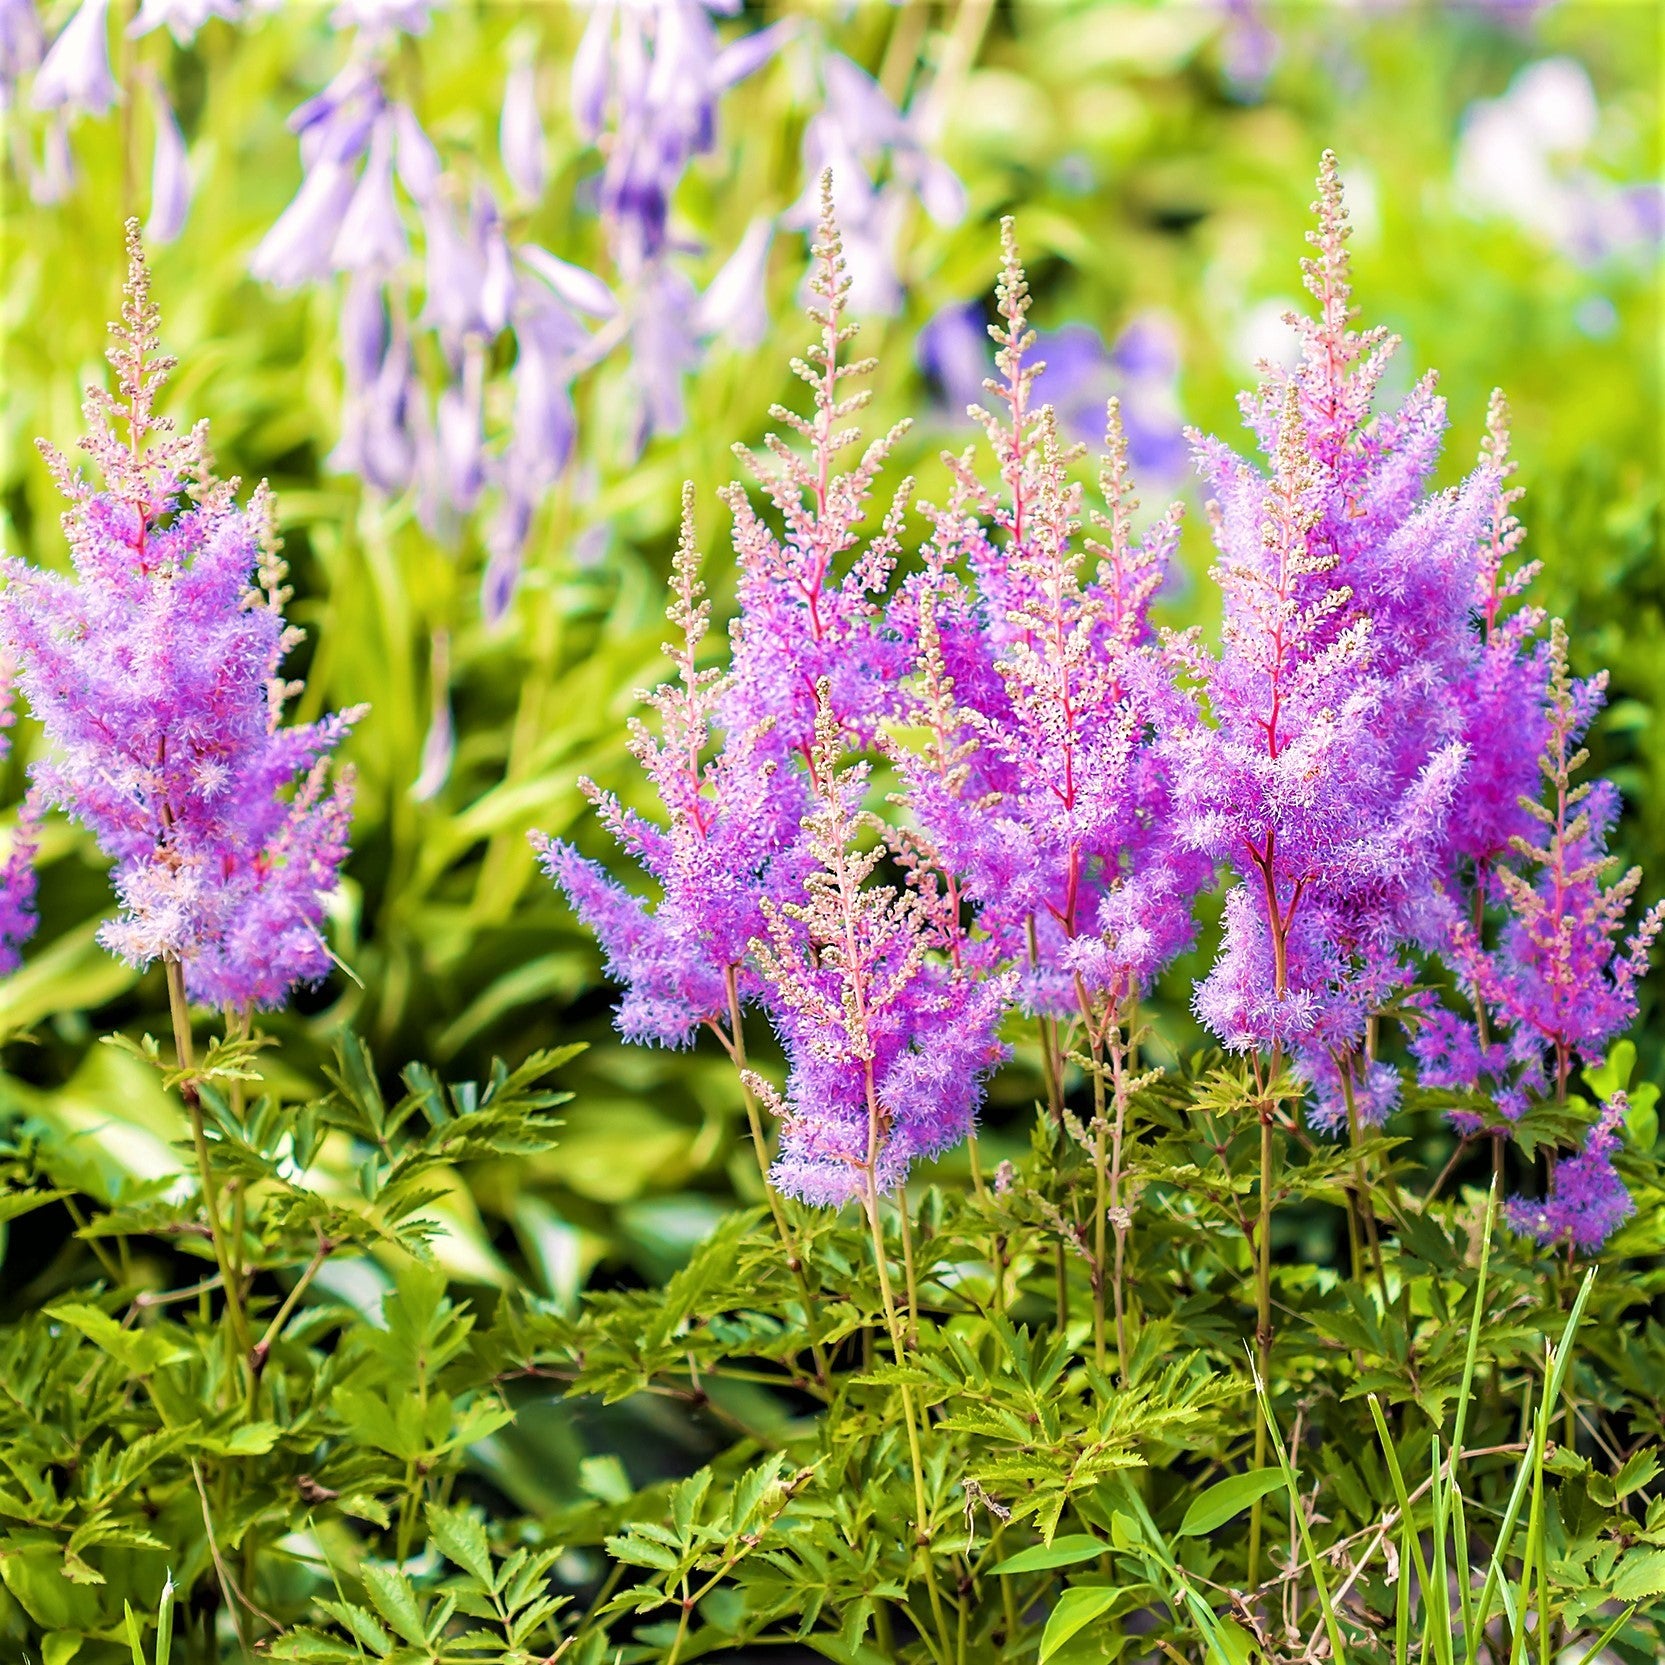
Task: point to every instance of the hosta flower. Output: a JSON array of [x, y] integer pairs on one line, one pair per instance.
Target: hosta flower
[[76, 71], [155, 673]]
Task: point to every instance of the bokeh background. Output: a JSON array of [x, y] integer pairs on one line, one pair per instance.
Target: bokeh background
[[485, 570]]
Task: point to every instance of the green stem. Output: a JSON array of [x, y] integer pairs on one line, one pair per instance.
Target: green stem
[[908, 1267], [1263, 1323], [760, 1144], [180, 1011], [898, 1344]]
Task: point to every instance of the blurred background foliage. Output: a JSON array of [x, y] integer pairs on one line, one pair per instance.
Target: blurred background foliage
[[1159, 161]]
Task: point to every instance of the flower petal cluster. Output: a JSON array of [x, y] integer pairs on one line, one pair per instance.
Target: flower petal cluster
[[1333, 752], [887, 1039], [729, 844], [1588, 1200], [155, 672]]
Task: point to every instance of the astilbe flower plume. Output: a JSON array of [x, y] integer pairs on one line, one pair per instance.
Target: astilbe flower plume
[[802, 622], [1334, 753], [1058, 813], [732, 818], [1561, 982], [887, 1039], [1588, 1200], [155, 672], [17, 869]]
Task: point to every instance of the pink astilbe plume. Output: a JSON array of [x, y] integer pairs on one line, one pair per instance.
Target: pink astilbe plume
[[1503, 695], [731, 821], [1561, 982], [1335, 751], [1057, 811], [1587, 1201], [155, 673], [888, 1041], [803, 621], [17, 869]]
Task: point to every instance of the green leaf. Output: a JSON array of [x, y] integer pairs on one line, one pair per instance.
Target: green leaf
[[1640, 1467], [1227, 1498], [1076, 1609], [395, 1600], [1641, 1573], [60, 1647], [139, 1352], [462, 1541], [1061, 1552]]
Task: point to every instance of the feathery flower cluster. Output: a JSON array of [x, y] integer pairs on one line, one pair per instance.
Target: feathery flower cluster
[[1356, 755], [1561, 983], [1587, 1200], [17, 870], [155, 674], [1060, 813], [1327, 775], [727, 848], [887, 1041]]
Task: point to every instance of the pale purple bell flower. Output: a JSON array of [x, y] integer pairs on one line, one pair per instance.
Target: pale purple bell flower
[[170, 178], [182, 18], [520, 133], [76, 71]]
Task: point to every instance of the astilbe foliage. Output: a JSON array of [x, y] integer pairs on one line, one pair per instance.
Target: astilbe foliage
[[887, 1039], [1334, 752], [732, 818], [155, 672]]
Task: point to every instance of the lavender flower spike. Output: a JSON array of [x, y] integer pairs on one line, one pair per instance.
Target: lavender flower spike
[[155, 674], [888, 1041]]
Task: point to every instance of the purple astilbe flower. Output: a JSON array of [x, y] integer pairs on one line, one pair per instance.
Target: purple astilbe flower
[[76, 71], [17, 869], [1140, 370], [726, 845], [1587, 1200], [1503, 699], [887, 1042], [1561, 975], [1060, 811], [1334, 752], [155, 674], [801, 622]]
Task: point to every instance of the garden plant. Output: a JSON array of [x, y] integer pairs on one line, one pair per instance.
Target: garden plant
[[1168, 1037]]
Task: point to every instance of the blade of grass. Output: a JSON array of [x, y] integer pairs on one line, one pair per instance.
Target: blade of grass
[[1506, 1532], [1459, 1520], [1338, 1650]]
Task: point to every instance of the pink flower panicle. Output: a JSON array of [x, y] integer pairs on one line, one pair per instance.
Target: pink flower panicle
[[155, 674], [887, 1040], [800, 624], [1503, 695], [731, 819], [1328, 772], [1560, 975], [1058, 812], [1588, 1201]]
